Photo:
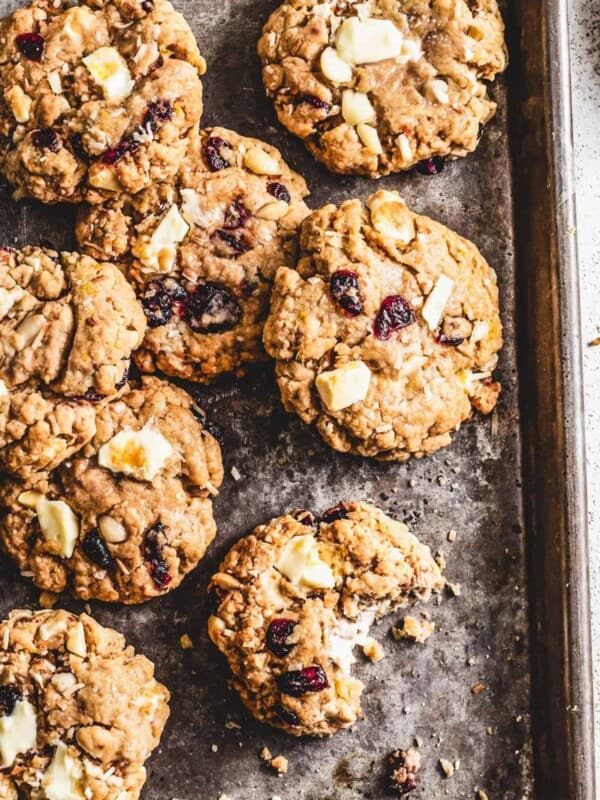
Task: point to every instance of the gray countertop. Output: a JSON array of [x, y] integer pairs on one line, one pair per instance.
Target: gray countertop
[[585, 49]]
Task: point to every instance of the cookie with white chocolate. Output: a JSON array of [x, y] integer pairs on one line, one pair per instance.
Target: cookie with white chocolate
[[130, 515], [387, 333], [294, 598], [71, 694], [202, 252], [96, 98], [377, 87]]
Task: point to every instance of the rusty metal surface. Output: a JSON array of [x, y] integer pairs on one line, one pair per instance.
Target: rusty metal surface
[[474, 487]]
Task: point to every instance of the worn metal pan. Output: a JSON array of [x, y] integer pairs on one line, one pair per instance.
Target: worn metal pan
[[512, 486]]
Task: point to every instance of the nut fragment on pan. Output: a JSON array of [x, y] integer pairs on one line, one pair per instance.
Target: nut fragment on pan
[[130, 515], [71, 694], [96, 98], [202, 252], [68, 326], [378, 87], [294, 598], [387, 333]]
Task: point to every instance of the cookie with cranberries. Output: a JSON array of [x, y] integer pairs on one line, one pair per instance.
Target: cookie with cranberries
[[293, 600], [96, 98], [130, 515], [202, 252], [387, 333]]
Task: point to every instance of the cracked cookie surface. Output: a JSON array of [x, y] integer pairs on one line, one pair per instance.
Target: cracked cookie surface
[[71, 694], [379, 86], [387, 333], [202, 251], [294, 598], [68, 326], [97, 98], [128, 516]]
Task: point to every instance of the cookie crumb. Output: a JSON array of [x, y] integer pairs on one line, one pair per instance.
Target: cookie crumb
[[214, 748], [48, 599], [481, 795], [185, 642], [232, 726], [447, 767], [415, 629], [454, 588], [236, 474], [452, 536], [403, 766], [266, 754], [278, 763], [373, 650]]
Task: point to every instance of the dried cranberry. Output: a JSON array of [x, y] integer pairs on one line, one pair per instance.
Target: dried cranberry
[[9, 695], [153, 545], [279, 191], [236, 216], [96, 550], [211, 308], [344, 288], [159, 298], [451, 341], [277, 634], [336, 512], [395, 313], [304, 517], [147, 5], [402, 769], [301, 681], [92, 397], [47, 139], [233, 242], [286, 715], [431, 166], [212, 151], [159, 112], [313, 101], [127, 145], [31, 45]]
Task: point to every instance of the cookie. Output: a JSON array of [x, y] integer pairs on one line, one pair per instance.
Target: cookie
[[378, 86], [72, 693], [387, 334], [295, 597], [127, 517], [202, 252], [68, 325], [96, 98]]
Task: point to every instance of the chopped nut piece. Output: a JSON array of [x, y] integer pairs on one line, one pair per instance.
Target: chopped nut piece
[[478, 688]]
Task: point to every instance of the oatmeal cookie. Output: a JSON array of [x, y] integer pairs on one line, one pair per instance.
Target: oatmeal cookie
[[376, 87], [387, 334], [294, 598], [72, 693], [202, 252], [96, 98], [128, 516], [68, 325]]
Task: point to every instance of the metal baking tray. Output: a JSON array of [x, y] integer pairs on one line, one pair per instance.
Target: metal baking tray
[[512, 485]]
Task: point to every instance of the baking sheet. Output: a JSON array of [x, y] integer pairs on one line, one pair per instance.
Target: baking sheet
[[476, 487]]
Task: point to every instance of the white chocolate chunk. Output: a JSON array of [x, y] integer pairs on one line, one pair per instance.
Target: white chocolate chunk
[[301, 563], [480, 330], [368, 41], [390, 216], [403, 143], [438, 90], [111, 530], [75, 641], [344, 386], [30, 499], [411, 51], [7, 301], [3, 389], [334, 69], [370, 138], [110, 71], [59, 526], [356, 107], [29, 329], [18, 732], [63, 778], [160, 253], [274, 210], [105, 178], [190, 206], [140, 454], [79, 21], [260, 162], [55, 82], [346, 636], [20, 104], [433, 308]]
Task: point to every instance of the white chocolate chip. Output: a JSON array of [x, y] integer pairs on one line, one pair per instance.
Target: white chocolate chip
[[356, 107], [404, 146], [367, 41], [438, 90], [105, 178], [109, 70], [59, 526], [344, 386], [20, 104], [112, 530], [334, 69], [480, 330], [55, 82], [370, 138], [346, 636], [75, 641], [63, 778], [260, 162], [433, 308], [302, 564], [29, 329], [18, 732], [160, 253], [190, 206], [411, 51], [274, 210], [140, 454], [78, 22], [391, 217]]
